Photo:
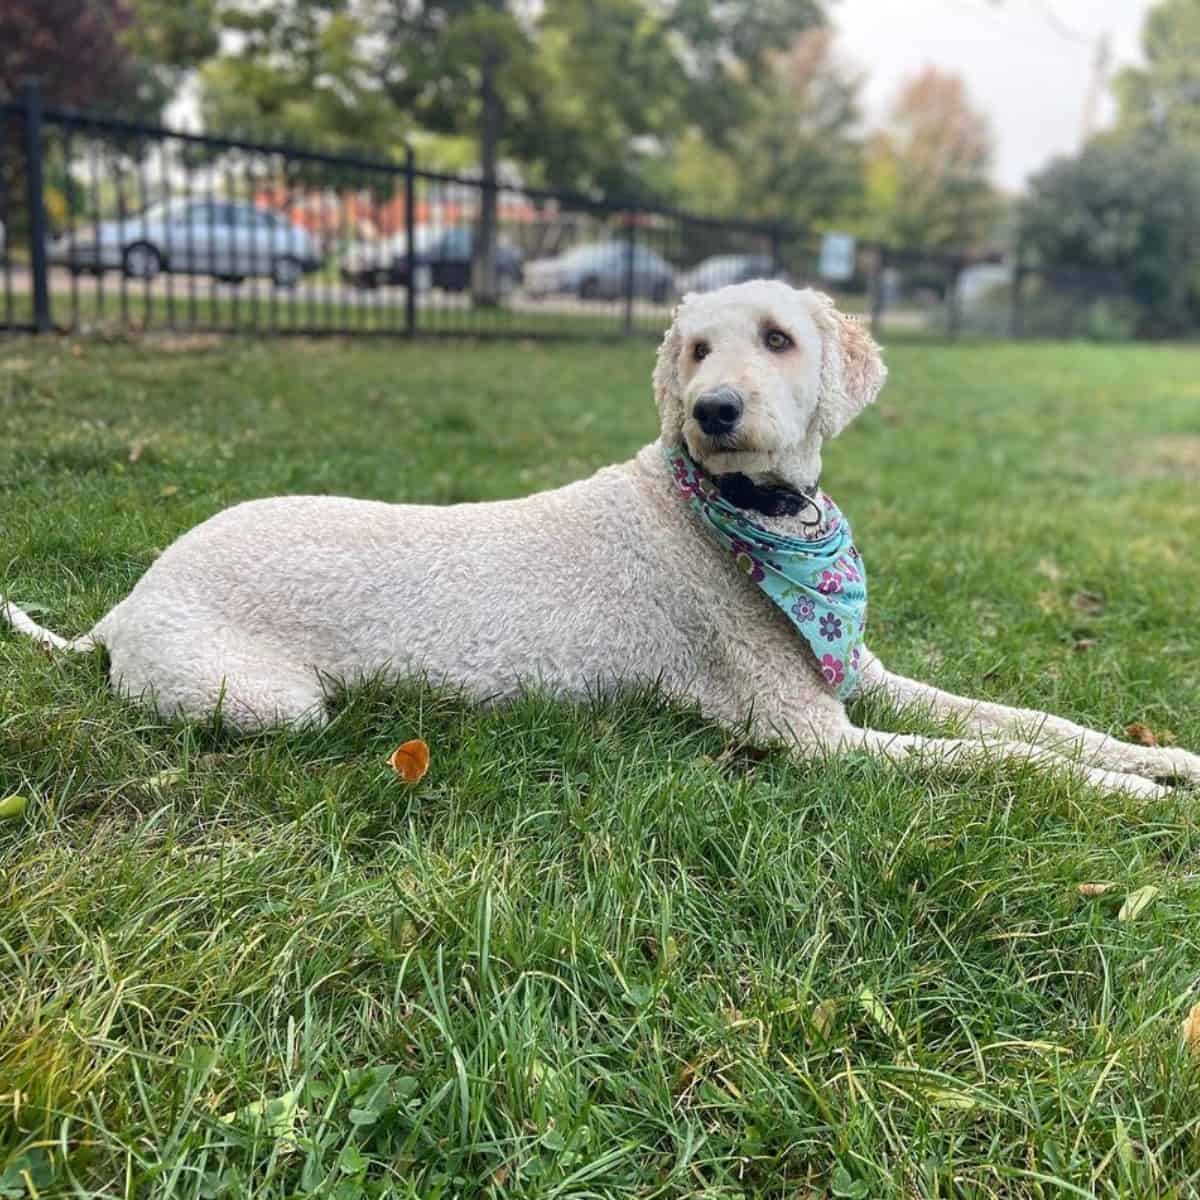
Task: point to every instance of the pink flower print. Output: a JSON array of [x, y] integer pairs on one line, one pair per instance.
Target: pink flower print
[[804, 609], [831, 627], [743, 555], [685, 478], [831, 583], [831, 668], [855, 656], [848, 569]]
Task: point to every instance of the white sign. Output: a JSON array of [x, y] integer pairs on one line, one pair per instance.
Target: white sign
[[837, 257]]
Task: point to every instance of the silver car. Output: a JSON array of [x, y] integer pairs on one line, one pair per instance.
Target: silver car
[[723, 269], [203, 236], [598, 271]]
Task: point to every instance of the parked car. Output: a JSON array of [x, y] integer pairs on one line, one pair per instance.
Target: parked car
[[723, 269], [204, 236], [443, 260], [598, 271]]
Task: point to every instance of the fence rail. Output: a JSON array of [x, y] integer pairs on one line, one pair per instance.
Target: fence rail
[[107, 223]]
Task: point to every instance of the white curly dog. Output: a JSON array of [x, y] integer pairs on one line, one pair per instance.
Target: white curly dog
[[606, 581]]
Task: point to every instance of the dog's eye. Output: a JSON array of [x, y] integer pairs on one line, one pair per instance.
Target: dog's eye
[[777, 340], [701, 350]]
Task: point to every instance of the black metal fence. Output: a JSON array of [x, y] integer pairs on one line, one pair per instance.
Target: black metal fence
[[108, 224]]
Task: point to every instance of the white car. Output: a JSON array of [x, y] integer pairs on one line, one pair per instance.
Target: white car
[[602, 271], [203, 236]]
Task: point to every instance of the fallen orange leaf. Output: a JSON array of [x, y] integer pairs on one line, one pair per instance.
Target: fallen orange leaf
[[1142, 734], [410, 760], [1191, 1029]]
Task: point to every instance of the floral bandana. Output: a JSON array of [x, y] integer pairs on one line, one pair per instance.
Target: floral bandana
[[821, 584]]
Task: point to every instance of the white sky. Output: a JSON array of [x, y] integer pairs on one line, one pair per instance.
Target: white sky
[[1027, 63]]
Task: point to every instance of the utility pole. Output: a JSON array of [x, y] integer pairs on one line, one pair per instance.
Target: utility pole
[[1101, 61]]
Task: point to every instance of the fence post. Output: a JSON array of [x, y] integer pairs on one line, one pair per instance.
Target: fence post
[[631, 220], [31, 100], [410, 235], [877, 300], [953, 310], [1016, 306]]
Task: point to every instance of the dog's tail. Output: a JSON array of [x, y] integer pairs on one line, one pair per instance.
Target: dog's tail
[[22, 622]]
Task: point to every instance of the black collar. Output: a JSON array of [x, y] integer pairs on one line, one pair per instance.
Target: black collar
[[770, 499]]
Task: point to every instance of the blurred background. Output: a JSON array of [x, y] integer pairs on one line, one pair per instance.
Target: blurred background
[[1001, 168]]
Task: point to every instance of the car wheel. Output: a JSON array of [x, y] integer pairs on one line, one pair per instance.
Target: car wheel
[[286, 272], [660, 293], [141, 261], [589, 289]]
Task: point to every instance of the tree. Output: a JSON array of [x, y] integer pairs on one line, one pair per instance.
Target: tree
[[1162, 98], [927, 169], [118, 55], [1128, 210], [798, 157], [300, 70], [77, 48]]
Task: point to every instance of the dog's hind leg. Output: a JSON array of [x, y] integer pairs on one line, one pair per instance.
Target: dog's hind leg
[[1064, 738], [249, 686]]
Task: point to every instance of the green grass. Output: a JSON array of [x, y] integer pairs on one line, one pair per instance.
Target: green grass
[[601, 950]]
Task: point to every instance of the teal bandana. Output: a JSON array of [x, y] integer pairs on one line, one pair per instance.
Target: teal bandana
[[821, 584]]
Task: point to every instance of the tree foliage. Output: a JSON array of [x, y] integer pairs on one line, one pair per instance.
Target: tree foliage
[[76, 48], [1162, 98], [592, 96], [117, 55], [927, 175], [300, 70], [797, 156], [1129, 211]]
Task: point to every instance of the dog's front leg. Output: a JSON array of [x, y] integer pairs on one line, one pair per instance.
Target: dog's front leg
[[1064, 738], [955, 753]]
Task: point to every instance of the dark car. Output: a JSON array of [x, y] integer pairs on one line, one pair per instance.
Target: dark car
[[442, 259]]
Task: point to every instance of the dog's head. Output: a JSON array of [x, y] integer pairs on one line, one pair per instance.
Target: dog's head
[[753, 378]]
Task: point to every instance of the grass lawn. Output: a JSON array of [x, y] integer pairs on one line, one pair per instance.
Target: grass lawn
[[600, 950]]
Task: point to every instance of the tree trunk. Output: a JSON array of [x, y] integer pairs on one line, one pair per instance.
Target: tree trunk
[[484, 287]]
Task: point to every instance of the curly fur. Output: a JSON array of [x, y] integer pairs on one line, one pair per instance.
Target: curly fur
[[607, 581]]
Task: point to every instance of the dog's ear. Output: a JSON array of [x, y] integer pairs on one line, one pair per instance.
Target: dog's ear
[[852, 370], [666, 383]]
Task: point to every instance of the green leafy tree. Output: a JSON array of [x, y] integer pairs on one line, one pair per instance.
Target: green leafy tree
[[300, 70], [927, 169], [1162, 98], [797, 157], [1128, 210]]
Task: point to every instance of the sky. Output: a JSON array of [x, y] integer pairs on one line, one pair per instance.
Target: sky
[[1027, 63]]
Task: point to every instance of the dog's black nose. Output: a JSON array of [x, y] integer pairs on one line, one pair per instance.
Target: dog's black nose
[[718, 412]]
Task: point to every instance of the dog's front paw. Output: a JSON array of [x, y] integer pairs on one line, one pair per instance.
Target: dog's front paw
[[1180, 766]]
